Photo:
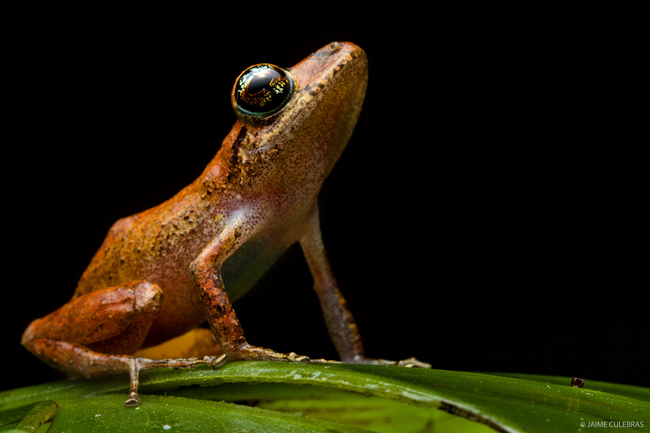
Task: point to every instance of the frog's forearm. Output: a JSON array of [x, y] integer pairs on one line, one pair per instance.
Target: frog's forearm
[[206, 272], [221, 317]]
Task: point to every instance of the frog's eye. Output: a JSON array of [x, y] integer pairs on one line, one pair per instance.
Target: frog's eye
[[262, 90]]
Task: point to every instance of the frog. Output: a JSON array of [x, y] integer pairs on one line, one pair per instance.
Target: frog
[[162, 273]]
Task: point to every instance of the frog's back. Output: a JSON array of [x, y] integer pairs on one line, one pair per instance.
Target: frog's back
[[106, 266], [137, 243]]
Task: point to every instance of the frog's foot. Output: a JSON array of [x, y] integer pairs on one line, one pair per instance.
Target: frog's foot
[[140, 364], [79, 361], [326, 361], [247, 352], [413, 362], [409, 362]]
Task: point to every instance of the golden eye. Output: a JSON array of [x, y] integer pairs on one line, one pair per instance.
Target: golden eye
[[262, 90]]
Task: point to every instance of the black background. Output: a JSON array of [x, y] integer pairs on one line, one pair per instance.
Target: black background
[[486, 215]]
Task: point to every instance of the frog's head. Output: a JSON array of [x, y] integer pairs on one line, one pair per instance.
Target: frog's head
[[294, 123]]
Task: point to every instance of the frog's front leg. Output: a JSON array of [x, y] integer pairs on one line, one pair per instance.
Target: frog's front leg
[[220, 315], [338, 318]]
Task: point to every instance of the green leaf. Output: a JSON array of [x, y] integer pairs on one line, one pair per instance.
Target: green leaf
[[174, 414], [368, 412], [32, 416], [327, 397]]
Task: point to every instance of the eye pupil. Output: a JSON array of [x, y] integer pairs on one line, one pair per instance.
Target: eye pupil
[[262, 90], [261, 83]]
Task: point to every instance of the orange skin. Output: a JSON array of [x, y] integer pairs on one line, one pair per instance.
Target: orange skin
[[161, 273]]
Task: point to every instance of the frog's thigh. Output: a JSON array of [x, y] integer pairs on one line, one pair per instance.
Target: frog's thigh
[[112, 320]]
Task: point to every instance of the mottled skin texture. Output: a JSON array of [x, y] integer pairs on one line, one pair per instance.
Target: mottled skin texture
[[161, 273]]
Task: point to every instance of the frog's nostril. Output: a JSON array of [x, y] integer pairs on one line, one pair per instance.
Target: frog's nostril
[[335, 46]]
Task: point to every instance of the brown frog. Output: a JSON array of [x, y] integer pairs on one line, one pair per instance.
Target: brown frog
[[161, 273]]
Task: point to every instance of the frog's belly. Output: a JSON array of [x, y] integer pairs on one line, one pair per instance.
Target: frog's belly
[[247, 265]]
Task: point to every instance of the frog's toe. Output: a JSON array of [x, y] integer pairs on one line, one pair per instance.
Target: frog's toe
[[294, 357], [413, 363], [410, 362], [246, 352], [215, 361], [327, 361], [133, 400]]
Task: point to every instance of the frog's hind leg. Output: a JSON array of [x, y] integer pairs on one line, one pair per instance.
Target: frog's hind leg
[[78, 360], [114, 320], [94, 335]]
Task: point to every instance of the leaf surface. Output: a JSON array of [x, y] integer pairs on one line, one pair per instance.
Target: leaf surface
[[340, 396]]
